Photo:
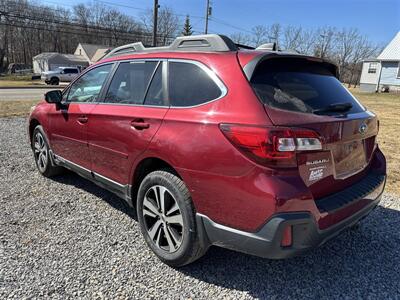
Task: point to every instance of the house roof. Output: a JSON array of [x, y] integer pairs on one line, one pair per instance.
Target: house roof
[[51, 55], [392, 50], [100, 53], [91, 49]]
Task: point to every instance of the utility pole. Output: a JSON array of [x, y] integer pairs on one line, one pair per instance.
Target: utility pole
[[208, 13], [155, 19]]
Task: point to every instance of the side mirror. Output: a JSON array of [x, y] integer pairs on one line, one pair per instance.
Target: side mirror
[[53, 96]]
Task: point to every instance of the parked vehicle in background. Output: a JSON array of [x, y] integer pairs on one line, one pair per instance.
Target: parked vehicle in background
[[259, 151], [61, 74]]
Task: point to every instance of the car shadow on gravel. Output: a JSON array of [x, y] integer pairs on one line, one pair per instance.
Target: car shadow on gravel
[[79, 182], [360, 263]]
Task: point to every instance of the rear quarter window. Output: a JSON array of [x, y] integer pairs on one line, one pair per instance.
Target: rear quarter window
[[300, 85], [190, 85]]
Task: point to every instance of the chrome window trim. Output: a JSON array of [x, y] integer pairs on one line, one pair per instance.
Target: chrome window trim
[[214, 77]]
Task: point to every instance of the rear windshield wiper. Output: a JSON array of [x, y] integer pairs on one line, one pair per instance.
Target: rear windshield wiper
[[335, 107]]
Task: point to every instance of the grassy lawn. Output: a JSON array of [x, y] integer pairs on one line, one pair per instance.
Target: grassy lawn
[[15, 108], [20, 83], [386, 106]]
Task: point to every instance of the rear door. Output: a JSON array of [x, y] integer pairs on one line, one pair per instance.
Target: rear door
[[123, 125], [304, 93]]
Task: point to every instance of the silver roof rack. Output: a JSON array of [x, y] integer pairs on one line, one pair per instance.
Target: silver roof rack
[[206, 42], [268, 46]]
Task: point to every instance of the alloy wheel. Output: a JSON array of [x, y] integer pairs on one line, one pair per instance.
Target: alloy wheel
[[41, 152], [163, 218]]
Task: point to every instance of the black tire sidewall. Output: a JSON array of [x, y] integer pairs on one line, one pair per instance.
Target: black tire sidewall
[[55, 81], [49, 167], [179, 192]]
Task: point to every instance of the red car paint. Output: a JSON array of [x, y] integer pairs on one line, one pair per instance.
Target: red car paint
[[225, 185]]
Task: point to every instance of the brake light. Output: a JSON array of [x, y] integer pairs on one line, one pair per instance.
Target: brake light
[[271, 146]]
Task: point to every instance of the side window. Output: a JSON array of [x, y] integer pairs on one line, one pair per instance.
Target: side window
[[190, 85], [155, 95], [87, 88], [130, 82], [71, 71]]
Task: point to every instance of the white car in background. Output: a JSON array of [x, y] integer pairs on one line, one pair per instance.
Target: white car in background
[[61, 74]]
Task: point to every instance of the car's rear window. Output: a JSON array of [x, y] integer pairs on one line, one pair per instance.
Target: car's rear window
[[300, 85]]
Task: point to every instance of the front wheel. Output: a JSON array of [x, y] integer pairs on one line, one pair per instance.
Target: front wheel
[[41, 152], [167, 219]]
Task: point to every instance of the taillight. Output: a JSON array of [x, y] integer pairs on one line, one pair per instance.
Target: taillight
[[271, 146]]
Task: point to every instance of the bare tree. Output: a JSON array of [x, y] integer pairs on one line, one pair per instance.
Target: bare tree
[[241, 38], [167, 25], [259, 35], [324, 43], [291, 38]]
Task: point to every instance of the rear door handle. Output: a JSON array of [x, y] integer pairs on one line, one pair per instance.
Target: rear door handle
[[140, 124], [83, 119]]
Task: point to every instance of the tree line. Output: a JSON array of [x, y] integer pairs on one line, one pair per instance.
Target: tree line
[[28, 28], [346, 47]]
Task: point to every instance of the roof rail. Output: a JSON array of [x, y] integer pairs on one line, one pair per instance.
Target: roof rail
[[268, 46], [206, 42]]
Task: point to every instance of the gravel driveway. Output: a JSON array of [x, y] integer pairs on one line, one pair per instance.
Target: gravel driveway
[[66, 237]]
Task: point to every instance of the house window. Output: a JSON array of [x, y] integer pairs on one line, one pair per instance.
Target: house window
[[398, 70], [372, 67]]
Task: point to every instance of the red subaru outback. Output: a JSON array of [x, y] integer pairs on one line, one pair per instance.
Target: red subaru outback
[[260, 151]]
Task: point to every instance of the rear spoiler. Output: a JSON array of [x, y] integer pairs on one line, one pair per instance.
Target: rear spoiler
[[251, 66]]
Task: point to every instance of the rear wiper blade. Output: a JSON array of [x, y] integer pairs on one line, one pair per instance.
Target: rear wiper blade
[[335, 107]]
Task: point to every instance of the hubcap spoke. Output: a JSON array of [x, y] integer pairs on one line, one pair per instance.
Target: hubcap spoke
[[150, 206], [175, 235], [155, 190], [169, 239], [37, 147], [162, 198], [173, 209], [154, 229], [177, 219]]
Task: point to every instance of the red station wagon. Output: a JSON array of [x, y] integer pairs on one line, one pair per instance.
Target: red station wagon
[[260, 151]]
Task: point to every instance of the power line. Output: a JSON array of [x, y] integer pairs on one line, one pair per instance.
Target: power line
[[100, 28]]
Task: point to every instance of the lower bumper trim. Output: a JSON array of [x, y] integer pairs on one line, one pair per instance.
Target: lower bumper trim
[[267, 241]]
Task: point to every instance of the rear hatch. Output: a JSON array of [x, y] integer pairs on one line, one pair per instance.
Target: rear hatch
[[301, 92]]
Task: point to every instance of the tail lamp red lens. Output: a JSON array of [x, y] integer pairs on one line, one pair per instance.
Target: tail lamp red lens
[[271, 146]]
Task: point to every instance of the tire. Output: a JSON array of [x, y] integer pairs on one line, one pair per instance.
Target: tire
[[175, 244], [54, 81], [41, 153]]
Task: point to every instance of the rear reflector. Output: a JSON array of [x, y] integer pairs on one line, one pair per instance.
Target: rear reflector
[[287, 237], [271, 146]]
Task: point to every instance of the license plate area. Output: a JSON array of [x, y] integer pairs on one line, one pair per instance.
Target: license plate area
[[349, 158]]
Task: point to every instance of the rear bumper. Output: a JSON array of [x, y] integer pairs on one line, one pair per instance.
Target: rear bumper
[[266, 243]]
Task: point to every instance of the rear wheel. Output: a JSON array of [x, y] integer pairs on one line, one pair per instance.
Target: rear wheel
[[41, 152], [54, 81], [167, 219]]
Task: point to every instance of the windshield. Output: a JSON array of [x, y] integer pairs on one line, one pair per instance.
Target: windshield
[[303, 86]]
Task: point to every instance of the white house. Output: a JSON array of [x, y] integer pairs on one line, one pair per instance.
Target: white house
[[48, 61], [384, 71], [91, 53]]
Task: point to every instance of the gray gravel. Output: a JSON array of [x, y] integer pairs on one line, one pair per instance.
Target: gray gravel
[[66, 238]]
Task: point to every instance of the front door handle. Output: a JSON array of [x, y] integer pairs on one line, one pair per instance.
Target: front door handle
[[83, 119], [140, 124]]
